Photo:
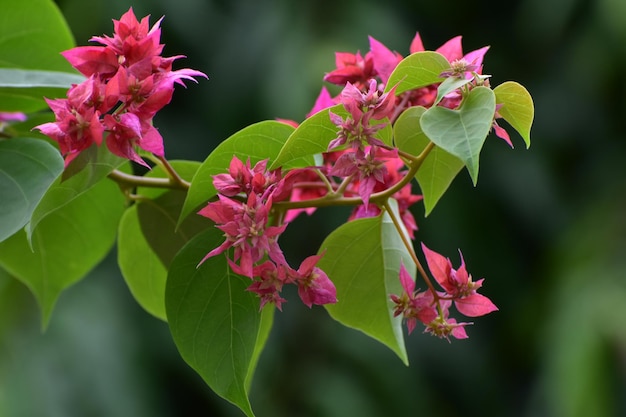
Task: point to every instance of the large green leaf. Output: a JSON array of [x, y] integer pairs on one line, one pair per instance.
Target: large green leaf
[[32, 35], [27, 168], [462, 132], [517, 107], [363, 260], [95, 164], [417, 70], [439, 167], [148, 232], [215, 322], [66, 246], [259, 141]]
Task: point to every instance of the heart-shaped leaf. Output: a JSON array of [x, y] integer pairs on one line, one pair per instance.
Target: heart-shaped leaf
[[67, 244], [363, 258], [417, 70], [439, 167], [27, 168], [215, 322], [517, 107], [462, 132]]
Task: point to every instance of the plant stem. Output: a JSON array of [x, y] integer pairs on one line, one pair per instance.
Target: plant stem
[[130, 181], [409, 246]]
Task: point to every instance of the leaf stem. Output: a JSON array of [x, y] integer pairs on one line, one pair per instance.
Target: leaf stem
[[409, 246], [130, 181]]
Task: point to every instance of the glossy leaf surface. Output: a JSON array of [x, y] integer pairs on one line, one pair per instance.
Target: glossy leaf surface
[[27, 168]]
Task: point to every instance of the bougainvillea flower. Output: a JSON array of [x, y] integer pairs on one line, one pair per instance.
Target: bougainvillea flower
[[246, 230], [385, 60], [324, 100], [352, 68], [458, 285], [413, 305], [268, 283], [314, 286]]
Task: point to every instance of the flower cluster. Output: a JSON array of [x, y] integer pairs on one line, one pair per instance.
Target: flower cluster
[[432, 307], [128, 82], [243, 212]]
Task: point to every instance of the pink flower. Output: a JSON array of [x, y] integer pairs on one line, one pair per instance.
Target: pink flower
[[314, 286], [413, 305], [127, 131], [458, 285], [268, 283], [246, 230], [352, 68]]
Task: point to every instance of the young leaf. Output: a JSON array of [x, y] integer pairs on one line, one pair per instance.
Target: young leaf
[[215, 322], [315, 133], [311, 137], [29, 166], [363, 261], [148, 232], [418, 70], [259, 141], [32, 35], [463, 131], [517, 107], [98, 163], [67, 244], [439, 167], [21, 78]]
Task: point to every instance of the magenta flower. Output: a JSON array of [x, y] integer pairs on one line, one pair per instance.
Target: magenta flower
[[127, 72], [314, 286], [413, 305], [352, 68], [268, 283], [458, 285], [246, 230]]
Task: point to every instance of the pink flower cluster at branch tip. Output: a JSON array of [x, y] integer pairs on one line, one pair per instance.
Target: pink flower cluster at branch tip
[[243, 212], [128, 82], [432, 309]]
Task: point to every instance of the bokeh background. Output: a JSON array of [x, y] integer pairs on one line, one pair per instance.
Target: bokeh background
[[545, 226]]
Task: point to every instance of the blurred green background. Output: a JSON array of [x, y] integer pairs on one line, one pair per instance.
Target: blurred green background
[[546, 227]]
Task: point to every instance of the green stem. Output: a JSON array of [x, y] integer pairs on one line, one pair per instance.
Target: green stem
[[131, 181], [409, 247]]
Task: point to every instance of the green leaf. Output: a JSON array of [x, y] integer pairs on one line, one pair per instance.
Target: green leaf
[[148, 232], [259, 141], [66, 246], [215, 322], [462, 132], [27, 168], [417, 70], [20, 78], [449, 85], [517, 107], [315, 133], [95, 164], [363, 260], [439, 167], [32, 35], [311, 137]]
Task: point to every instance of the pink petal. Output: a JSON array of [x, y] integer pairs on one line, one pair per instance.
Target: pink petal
[[385, 61], [439, 266], [452, 49], [475, 305], [416, 44], [406, 280]]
